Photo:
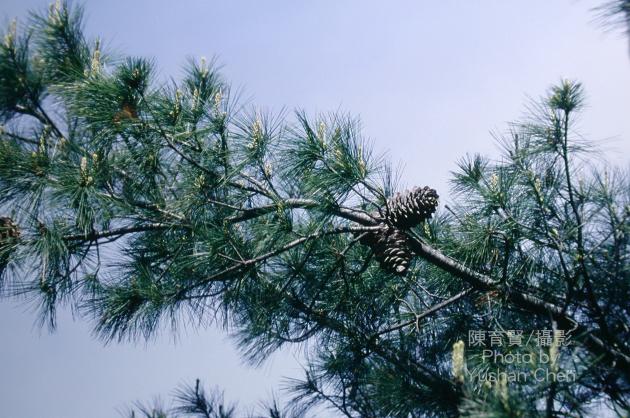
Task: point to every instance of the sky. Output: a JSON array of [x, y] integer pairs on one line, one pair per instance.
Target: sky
[[430, 82]]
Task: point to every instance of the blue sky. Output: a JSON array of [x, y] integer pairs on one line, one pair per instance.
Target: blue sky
[[429, 80]]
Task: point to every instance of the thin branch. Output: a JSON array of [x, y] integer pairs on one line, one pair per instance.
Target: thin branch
[[428, 312], [251, 213], [20, 138], [342, 212], [96, 235], [223, 274]]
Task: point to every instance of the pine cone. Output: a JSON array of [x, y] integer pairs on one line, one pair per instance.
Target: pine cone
[[390, 248], [9, 232], [127, 112], [409, 209], [396, 255]]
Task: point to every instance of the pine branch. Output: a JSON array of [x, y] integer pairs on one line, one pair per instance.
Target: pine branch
[[346, 213], [523, 300], [117, 232], [225, 274], [431, 379]]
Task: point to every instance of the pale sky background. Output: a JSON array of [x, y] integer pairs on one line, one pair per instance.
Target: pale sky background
[[429, 81]]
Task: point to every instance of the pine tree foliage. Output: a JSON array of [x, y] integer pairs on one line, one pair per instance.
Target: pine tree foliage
[[615, 13], [194, 401], [138, 203]]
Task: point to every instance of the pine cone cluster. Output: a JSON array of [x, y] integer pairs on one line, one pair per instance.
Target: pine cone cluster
[[390, 247], [9, 232], [403, 211], [408, 209]]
